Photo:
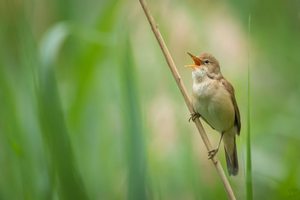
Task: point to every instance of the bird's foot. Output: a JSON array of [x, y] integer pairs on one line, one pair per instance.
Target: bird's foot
[[194, 116], [212, 153]]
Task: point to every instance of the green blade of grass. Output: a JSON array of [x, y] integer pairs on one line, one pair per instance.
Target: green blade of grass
[[134, 133], [249, 189], [52, 120], [21, 154]]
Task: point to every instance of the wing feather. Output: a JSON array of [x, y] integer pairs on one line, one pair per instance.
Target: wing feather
[[230, 89]]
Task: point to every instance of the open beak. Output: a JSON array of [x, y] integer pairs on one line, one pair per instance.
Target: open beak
[[197, 61]]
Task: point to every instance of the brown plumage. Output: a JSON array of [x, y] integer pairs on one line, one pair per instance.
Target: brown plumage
[[214, 99]]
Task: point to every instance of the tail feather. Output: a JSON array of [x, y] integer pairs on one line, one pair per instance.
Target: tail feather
[[232, 160]]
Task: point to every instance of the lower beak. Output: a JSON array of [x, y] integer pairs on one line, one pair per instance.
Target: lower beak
[[197, 61], [192, 66]]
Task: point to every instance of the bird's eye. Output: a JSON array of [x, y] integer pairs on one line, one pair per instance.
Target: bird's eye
[[206, 61]]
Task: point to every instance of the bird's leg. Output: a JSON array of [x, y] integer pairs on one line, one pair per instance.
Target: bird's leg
[[213, 152], [194, 116]]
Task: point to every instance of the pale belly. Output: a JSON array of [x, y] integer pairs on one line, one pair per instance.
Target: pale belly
[[214, 105]]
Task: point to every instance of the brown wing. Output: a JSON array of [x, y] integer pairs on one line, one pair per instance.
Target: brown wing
[[230, 89]]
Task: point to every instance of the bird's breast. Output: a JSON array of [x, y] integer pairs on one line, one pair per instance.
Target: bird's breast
[[214, 104], [204, 89]]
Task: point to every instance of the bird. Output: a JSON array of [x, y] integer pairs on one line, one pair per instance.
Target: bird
[[213, 100]]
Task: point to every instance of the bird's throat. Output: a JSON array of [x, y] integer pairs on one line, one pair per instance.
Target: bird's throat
[[199, 76]]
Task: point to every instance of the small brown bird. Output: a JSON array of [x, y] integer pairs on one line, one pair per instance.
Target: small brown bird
[[214, 101]]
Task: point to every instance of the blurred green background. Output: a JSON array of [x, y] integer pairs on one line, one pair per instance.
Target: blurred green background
[[89, 109]]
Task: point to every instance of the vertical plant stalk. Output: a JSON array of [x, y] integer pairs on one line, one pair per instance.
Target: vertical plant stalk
[[183, 91], [249, 189]]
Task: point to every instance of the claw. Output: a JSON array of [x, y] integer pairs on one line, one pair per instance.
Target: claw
[[194, 116], [212, 153]]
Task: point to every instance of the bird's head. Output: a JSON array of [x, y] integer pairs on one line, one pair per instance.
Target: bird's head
[[204, 65]]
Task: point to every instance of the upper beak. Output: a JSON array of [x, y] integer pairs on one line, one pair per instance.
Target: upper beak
[[197, 61]]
